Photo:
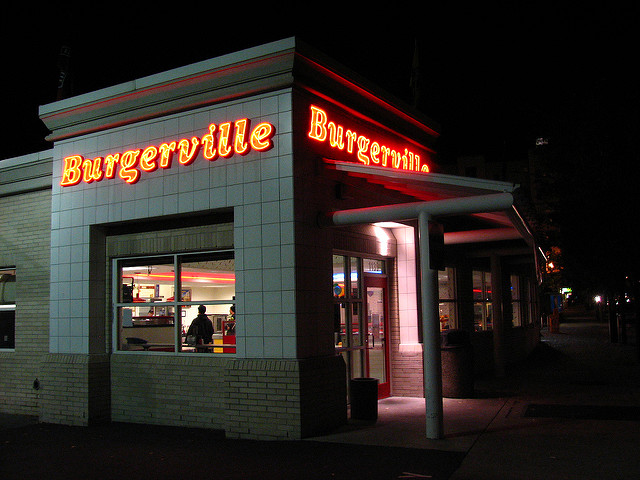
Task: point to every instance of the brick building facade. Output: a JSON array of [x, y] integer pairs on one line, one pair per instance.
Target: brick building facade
[[223, 184]]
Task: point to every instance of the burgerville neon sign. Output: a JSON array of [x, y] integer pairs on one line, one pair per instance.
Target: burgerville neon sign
[[360, 147], [237, 138], [224, 140]]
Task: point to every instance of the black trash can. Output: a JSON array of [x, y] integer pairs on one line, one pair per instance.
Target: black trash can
[[364, 399], [457, 364]]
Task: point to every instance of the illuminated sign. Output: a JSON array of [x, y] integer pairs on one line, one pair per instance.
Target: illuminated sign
[[360, 147], [224, 140]]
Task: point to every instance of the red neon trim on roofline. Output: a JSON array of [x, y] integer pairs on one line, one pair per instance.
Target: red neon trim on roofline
[[369, 95]]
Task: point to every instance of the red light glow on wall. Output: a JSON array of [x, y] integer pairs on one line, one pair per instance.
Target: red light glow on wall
[[363, 148], [224, 140]]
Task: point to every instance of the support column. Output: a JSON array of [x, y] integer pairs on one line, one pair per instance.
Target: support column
[[498, 317], [432, 364]]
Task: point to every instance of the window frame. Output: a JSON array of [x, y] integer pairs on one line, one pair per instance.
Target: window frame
[[8, 307], [485, 302], [523, 300], [451, 303], [178, 259], [353, 304]]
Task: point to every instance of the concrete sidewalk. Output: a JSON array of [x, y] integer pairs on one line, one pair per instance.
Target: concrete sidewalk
[[574, 413], [570, 411]]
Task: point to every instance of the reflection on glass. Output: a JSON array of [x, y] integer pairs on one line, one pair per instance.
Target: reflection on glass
[[156, 307], [515, 301], [376, 333], [338, 284], [356, 330], [354, 268], [448, 316], [223, 328], [339, 325], [357, 364], [446, 284], [482, 316], [482, 300], [446, 292], [7, 308], [150, 280], [136, 332]]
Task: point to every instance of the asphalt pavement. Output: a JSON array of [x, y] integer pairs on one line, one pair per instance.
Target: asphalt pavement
[[571, 411]]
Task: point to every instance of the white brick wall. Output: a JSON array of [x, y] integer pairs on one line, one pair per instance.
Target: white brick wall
[[265, 399], [257, 186], [24, 243]]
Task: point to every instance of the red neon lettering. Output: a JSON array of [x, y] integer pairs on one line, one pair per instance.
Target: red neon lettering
[[110, 165], [148, 159], [318, 129], [351, 139], [223, 142], [92, 170], [366, 150], [71, 175], [261, 137], [188, 152], [363, 147], [335, 136], [166, 151], [386, 152], [209, 143], [395, 159], [132, 162], [240, 146], [374, 152], [128, 161]]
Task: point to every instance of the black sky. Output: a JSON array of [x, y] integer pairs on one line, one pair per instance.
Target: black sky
[[494, 76]]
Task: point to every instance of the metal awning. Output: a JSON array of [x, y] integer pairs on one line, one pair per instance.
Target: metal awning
[[426, 187]]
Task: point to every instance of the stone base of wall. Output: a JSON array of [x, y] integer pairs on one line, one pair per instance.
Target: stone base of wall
[[187, 391], [74, 389], [406, 374], [267, 399], [285, 399], [17, 377], [324, 395]]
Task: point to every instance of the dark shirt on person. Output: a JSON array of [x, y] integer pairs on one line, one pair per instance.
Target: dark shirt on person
[[202, 328]]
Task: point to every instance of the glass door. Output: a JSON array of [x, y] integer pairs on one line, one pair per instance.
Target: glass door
[[377, 350], [360, 318]]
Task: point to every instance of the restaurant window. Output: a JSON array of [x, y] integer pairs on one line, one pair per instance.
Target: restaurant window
[[482, 307], [447, 298], [157, 299], [516, 301], [7, 308], [521, 300]]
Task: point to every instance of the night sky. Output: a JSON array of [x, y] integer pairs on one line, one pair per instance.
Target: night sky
[[493, 77]]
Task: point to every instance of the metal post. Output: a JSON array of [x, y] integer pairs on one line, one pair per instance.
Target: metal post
[[432, 368]]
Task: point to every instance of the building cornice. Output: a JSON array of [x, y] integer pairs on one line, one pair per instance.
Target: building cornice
[[270, 67], [259, 69], [26, 173]]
